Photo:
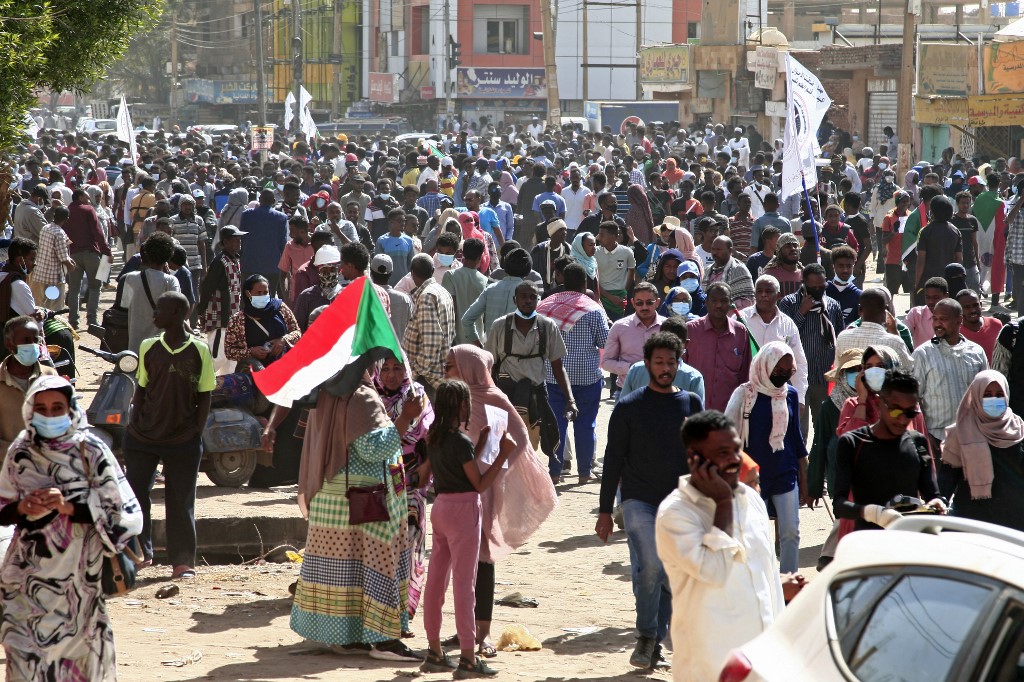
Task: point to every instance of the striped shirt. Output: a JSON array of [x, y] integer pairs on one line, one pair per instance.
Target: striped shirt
[[818, 333], [1015, 240], [873, 334], [944, 373], [192, 236]]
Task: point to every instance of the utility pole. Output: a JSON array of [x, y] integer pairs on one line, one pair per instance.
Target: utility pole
[[905, 101], [261, 86], [586, 56], [550, 71], [174, 71], [297, 63], [639, 44], [336, 49], [449, 103]]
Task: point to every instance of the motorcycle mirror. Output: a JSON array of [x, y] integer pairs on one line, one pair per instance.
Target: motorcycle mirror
[[52, 293]]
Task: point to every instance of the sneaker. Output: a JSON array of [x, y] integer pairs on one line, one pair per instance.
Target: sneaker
[[567, 466], [356, 649], [643, 655], [394, 650], [475, 670], [658, 660], [434, 663]]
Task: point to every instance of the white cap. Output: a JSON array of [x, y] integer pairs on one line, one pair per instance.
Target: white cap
[[446, 161], [326, 255]]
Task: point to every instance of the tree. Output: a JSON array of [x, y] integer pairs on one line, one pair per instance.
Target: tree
[[61, 45]]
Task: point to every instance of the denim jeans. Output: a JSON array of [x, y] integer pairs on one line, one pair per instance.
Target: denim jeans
[[588, 399], [650, 584], [86, 265], [787, 511]]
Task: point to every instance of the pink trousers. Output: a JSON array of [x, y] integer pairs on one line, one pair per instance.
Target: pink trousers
[[455, 520]]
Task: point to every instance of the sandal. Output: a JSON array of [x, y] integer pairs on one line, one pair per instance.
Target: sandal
[[183, 572], [486, 649], [473, 669], [438, 663], [408, 634], [451, 641]]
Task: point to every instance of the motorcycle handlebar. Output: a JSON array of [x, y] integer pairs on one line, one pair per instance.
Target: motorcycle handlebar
[[53, 313], [109, 357]]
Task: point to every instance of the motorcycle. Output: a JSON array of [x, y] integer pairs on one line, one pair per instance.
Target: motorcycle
[[231, 438]]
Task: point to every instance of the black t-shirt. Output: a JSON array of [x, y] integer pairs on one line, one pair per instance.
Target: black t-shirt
[[447, 461], [940, 242], [877, 470], [968, 227], [861, 230]]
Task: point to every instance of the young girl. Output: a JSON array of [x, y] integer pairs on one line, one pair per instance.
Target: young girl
[[456, 523]]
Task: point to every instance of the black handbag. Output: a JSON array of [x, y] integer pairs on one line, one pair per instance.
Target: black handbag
[[120, 569]]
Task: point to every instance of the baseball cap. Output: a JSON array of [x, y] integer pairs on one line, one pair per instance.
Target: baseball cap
[[688, 267], [382, 264], [973, 180], [447, 161], [326, 255], [549, 202], [351, 158], [199, 194], [229, 231]]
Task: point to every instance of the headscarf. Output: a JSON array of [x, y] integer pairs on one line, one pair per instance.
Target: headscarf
[[232, 213], [469, 220], [589, 263], [969, 440], [509, 193], [910, 184], [334, 425], [672, 173], [785, 239], [886, 188], [78, 463], [639, 216], [742, 400], [685, 246], [654, 273], [522, 496], [841, 390], [395, 402]]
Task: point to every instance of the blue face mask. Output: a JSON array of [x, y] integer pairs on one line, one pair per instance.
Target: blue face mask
[[994, 407], [260, 302], [690, 284], [526, 317], [385, 197], [682, 308], [51, 427], [851, 379], [27, 354], [446, 259], [874, 377]]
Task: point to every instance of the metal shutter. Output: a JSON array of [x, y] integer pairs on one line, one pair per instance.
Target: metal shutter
[[881, 113]]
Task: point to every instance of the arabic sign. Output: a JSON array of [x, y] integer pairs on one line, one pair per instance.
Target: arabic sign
[[203, 91], [766, 67], [776, 109], [941, 110], [262, 138], [996, 110], [1004, 67], [946, 69], [665, 64], [384, 87], [501, 83]]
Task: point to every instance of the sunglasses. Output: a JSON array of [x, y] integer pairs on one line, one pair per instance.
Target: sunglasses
[[643, 304], [895, 412]]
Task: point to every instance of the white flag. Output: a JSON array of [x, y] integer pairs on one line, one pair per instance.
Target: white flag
[[125, 130], [806, 104], [31, 127], [289, 111]]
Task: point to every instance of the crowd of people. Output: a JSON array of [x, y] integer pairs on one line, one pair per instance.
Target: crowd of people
[[753, 358]]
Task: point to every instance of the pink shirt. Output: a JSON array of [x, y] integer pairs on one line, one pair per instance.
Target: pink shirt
[[625, 345], [919, 321], [723, 358], [985, 337], [294, 257]]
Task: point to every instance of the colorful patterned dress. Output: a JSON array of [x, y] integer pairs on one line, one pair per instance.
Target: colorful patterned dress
[[354, 583]]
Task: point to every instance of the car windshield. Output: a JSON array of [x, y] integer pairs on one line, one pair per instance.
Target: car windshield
[[913, 632]]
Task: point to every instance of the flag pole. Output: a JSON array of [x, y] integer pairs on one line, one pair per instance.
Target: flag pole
[[810, 212]]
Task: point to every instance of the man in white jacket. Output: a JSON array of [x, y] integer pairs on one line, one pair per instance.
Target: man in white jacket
[[714, 540]]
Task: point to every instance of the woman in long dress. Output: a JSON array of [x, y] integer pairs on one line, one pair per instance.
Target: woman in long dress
[[403, 399], [520, 499], [353, 588], [71, 503]]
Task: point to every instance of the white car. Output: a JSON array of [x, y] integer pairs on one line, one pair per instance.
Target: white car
[[931, 599]]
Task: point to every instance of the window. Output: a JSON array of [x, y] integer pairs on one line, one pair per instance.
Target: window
[[914, 631], [500, 29], [692, 30]]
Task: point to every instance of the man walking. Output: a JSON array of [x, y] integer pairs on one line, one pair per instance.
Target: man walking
[[88, 246], [765, 323], [266, 231], [220, 296], [627, 336], [730, 270], [719, 348], [642, 459], [432, 328], [52, 260]]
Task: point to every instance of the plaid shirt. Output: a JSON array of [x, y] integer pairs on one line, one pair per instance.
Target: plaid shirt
[[636, 177], [233, 270], [1015, 241], [583, 344], [430, 202], [53, 251], [430, 332]]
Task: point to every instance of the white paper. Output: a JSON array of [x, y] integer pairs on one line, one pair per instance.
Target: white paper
[[903, 225], [103, 271], [497, 419]]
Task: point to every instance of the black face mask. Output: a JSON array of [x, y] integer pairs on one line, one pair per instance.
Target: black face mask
[[816, 294], [778, 380]]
